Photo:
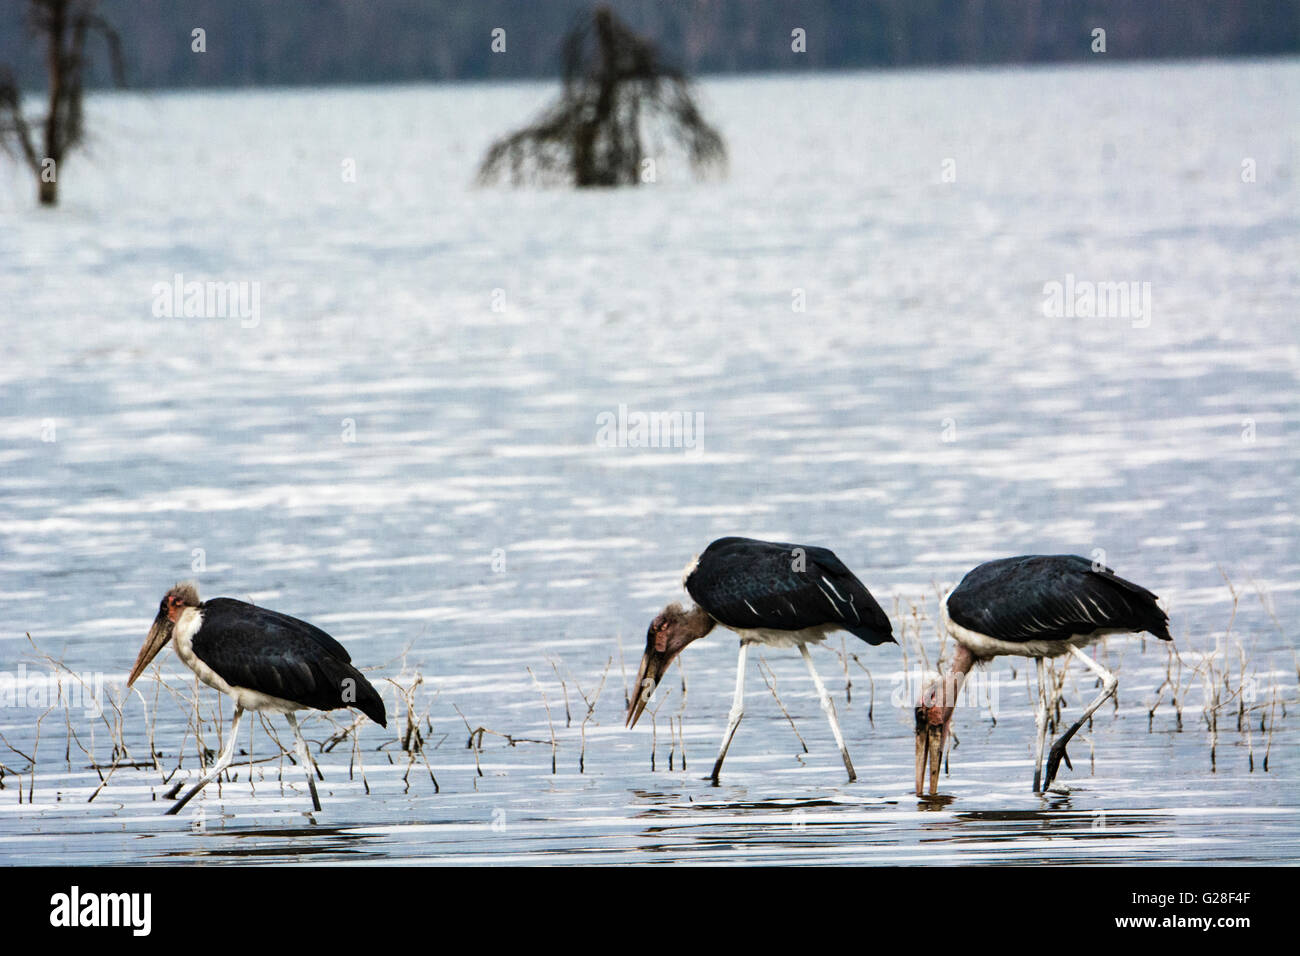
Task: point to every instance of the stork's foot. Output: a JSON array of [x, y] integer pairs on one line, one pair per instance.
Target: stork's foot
[[190, 795], [1054, 762]]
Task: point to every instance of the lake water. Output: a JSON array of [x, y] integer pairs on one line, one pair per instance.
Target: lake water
[[401, 446]]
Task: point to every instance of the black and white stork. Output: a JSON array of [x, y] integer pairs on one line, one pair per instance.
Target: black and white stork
[[264, 660], [1034, 606], [781, 595]]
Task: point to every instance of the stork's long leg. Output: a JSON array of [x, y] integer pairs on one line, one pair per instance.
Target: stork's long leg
[[1040, 721], [830, 711], [223, 761], [304, 757], [737, 710], [1108, 684]]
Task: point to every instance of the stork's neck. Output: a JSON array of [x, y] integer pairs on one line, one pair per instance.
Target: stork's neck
[[963, 659], [698, 623], [187, 625]]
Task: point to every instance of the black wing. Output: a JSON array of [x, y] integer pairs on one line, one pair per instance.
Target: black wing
[[1052, 597], [746, 583], [275, 654]]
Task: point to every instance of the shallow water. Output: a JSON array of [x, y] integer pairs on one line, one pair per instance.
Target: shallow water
[[922, 415]]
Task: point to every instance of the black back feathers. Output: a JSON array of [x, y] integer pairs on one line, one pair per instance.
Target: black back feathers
[[748, 584], [1052, 597]]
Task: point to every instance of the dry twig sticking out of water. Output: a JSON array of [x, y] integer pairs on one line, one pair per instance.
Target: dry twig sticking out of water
[[654, 726], [564, 689], [411, 738], [769, 678], [549, 723], [871, 684], [591, 709]]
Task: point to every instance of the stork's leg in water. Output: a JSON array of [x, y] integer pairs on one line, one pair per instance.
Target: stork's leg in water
[[830, 711], [1108, 684], [304, 757], [223, 761], [1040, 721], [737, 711]]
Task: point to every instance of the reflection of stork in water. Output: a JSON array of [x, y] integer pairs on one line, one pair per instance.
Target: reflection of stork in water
[[781, 595], [263, 660], [1032, 606]]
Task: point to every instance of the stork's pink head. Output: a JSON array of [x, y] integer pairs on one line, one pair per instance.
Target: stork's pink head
[[934, 716], [667, 636], [172, 606]]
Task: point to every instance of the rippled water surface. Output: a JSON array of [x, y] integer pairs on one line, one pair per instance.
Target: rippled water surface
[[403, 449]]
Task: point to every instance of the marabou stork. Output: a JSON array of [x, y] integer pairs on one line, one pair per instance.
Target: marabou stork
[[263, 660], [781, 595], [1031, 606]]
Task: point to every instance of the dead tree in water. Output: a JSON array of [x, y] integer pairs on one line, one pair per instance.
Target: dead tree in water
[[615, 88], [66, 25]]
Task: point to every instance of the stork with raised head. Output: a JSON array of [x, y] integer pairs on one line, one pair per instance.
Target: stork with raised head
[[263, 660], [1034, 606], [781, 595]]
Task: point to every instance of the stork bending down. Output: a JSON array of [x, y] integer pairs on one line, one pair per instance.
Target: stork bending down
[[781, 595], [1032, 606]]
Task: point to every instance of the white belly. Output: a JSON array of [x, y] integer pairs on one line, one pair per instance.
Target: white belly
[[982, 645], [187, 625], [775, 638]]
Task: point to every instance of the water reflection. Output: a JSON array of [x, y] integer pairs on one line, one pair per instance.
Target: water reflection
[[281, 843]]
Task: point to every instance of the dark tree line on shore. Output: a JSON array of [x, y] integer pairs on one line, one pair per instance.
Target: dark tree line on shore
[[253, 42]]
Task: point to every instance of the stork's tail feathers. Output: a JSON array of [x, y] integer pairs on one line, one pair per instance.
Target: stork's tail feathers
[[356, 691], [1154, 619], [875, 632], [1148, 615], [370, 703], [1158, 623]]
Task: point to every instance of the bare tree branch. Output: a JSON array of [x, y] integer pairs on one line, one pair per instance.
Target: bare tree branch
[[616, 88], [65, 25]]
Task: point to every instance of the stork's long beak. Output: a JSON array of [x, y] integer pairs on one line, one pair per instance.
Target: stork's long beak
[[653, 665], [929, 749], [159, 634]]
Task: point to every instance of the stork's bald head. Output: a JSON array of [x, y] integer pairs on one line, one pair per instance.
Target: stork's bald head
[[173, 605]]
